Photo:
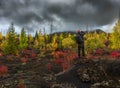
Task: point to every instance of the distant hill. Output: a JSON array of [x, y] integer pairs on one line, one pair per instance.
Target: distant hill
[[98, 31], [74, 32]]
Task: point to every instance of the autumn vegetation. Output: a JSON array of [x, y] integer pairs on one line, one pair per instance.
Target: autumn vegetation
[[60, 49], [13, 43]]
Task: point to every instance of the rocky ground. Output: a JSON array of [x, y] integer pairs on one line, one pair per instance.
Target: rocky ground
[[92, 74], [83, 74]]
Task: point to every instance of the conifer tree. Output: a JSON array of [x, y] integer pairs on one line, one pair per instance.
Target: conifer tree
[[10, 45], [36, 35], [30, 40], [60, 38], [23, 40], [46, 40], [36, 41], [1, 38], [41, 40]]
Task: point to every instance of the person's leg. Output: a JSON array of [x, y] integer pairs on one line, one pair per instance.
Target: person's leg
[[83, 50], [78, 50]]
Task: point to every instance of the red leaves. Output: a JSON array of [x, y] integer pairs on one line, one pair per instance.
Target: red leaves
[[95, 57], [64, 58], [64, 66], [100, 55], [74, 56], [59, 61], [1, 54], [115, 54], [29, 53], [49, 66], [21, 83], [59, 54], [3, 70], [99, 52], [24, 60], [10, 57], [33, 55]]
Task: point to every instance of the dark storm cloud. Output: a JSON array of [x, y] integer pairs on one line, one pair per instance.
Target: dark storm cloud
[[25, 13], [98, 12]]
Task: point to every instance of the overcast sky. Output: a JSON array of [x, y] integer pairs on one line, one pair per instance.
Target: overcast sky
[[63, 14]]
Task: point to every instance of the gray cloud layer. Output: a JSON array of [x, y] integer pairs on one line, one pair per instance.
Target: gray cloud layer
[[31, 13]]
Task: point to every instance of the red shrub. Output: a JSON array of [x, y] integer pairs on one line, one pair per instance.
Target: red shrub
[[99, 51], [10, 57], [115, 54], [49, 66], [1, 54], [59, 61], [94, 57], [59, 54], [66, 56], [21, 85], [64, 66], [27, 51], [3, 70], [24, 60], [33, 55], [21, 82], [74, 56]]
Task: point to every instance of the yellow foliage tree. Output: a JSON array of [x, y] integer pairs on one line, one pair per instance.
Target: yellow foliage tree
[[115, 37], [68, 42], [94, 41], [53, 45]]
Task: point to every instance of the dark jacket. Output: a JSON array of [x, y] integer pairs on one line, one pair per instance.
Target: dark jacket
[[81, 39]]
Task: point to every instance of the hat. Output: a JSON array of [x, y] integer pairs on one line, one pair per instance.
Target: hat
[[78, 31]]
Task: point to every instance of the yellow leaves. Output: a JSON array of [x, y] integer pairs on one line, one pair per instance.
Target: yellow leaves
[[61, 36], [1, 36], [36, 44], [52, 46], [94, 41], [69, 35], [68, 43], [3, 44], [115, 37], [30, 38], [41, 39]]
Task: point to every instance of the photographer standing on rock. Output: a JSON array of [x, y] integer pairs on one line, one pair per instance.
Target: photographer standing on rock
[[80, 42]]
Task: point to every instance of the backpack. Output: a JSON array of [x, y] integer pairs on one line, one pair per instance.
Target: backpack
[[79, 39]]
